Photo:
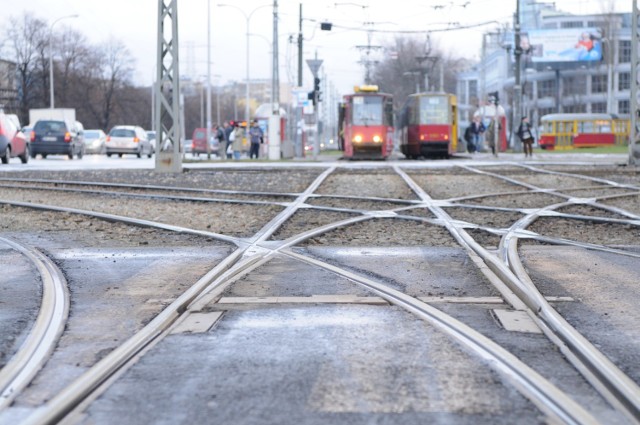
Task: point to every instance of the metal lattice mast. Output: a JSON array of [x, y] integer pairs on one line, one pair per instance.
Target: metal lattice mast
[[167, 88], [635, 131]]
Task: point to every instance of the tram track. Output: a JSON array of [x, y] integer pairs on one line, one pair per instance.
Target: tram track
[[48, 327], [598, 369], [258, 249]]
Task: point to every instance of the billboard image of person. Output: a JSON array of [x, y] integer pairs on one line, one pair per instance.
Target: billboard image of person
[[562, 45]]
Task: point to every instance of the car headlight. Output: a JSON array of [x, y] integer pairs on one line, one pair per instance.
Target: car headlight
[[377, 139], [358, 138]]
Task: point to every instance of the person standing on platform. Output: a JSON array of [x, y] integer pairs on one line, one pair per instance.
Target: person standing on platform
[[256, 138]]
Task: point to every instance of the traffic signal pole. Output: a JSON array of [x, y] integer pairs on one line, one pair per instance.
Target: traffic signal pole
[[517, 87]]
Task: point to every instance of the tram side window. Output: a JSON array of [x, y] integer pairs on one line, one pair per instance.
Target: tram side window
[[585, 127], [388, 113], [434, 110], [367, 110], [565, 127], [603, 126]]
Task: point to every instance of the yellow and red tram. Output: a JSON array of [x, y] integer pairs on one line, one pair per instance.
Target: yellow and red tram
[[428, 125], [582, 130]]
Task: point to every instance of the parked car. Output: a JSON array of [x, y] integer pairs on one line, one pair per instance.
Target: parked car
[[128, 139], [199, 144], [13, 142], [95, 141], [187, 145], [54, 137], [151, 135]]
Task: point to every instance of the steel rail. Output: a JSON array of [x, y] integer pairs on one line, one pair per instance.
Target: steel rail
[[128, 220], [606, 377], [46, 330], [366, 198], [547, 397], [83, 386], [530, 296], [579, 176], [148, 187], [147, 195], [246, 258], [603, 374], [199, 190]]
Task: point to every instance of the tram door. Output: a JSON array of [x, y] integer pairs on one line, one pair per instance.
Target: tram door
[[564, 133]]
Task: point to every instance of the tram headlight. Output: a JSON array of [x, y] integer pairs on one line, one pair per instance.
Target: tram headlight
[[357, 138], [377, 139]]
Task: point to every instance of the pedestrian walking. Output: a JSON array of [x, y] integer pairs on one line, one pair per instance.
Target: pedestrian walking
[[525, 133], [256, 138], [237, 136], [221, 141], [477, 129], [468, 138], [490, 135], [228, 128]]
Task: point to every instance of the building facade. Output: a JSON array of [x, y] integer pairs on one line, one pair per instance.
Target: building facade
[[553, 86]]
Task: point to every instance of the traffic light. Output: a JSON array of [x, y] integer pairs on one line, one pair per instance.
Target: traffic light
[[326, 26], [314, 95]]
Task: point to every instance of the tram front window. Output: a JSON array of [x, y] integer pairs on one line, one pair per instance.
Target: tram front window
[[434, 110], [367, 110]]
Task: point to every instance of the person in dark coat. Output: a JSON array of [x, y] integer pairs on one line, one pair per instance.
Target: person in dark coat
[[525, 134], [256, 138]]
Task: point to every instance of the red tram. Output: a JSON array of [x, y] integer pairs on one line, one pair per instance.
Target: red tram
[[366, 124], [429, 125]]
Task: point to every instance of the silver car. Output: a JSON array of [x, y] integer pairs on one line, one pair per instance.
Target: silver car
[[95, 142], [128, 139]]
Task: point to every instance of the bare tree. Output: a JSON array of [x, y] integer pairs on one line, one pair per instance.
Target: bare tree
[[116, 64], [404, 73], [73, 50], [28, 38]]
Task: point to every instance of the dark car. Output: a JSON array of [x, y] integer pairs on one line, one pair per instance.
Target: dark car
[[199, 142], [53, 137], [13, 142]]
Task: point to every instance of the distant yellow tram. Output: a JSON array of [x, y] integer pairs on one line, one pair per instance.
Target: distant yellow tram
[[568, 131]]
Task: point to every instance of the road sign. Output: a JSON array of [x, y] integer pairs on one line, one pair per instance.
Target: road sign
[[314, 65]]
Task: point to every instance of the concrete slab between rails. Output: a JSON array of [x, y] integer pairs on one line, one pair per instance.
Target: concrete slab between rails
[[353, 299], [516, 321], [197, 322]]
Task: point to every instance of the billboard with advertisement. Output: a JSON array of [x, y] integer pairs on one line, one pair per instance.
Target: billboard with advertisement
[[562, 45]]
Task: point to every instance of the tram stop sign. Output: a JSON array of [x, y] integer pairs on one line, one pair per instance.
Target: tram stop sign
[[314, 65]]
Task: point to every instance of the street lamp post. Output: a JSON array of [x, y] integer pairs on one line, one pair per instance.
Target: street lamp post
[[248, 19], [208, 120], [51, 101]]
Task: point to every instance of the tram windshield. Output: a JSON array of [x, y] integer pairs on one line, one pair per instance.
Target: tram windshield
[[434, 110], [367, 110]]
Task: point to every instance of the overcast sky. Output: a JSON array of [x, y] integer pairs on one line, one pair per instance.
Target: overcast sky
[[134, 22]]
